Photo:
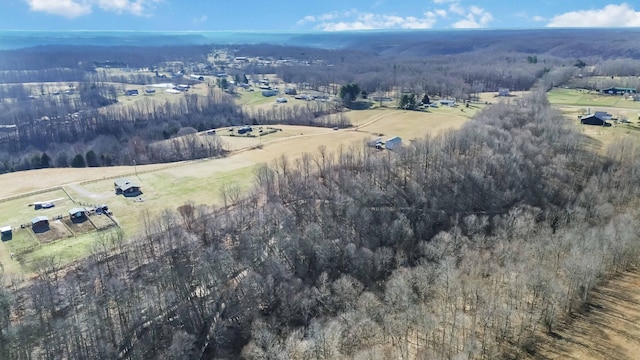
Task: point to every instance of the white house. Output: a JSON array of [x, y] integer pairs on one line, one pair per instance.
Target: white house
[[393, 143]]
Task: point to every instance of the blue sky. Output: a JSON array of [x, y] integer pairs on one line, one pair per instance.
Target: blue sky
[[310, 15]]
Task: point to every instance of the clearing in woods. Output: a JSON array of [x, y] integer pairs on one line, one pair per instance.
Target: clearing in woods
[[167, 186], [607, 326]]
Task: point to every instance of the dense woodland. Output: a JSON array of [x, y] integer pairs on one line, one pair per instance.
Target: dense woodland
[[467, 244]]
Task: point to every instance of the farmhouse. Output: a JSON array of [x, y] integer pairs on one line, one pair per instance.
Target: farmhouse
[[40, 224], [78, 214], [6, 233], [593, 119], [126, 187], [617, 91], [447, 102], [393, 143]]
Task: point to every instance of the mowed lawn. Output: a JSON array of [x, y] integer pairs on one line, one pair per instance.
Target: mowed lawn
[[168, 186], [580, 97]]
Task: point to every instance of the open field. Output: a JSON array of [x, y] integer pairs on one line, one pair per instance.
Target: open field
[[167, 186], [579, 97], [607, 326]]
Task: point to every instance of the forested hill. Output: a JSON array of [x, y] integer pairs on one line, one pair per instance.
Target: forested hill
[[465, 244]]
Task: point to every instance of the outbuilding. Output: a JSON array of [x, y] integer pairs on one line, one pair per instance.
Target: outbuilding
[[6, 233], [593, 119], [393, 143], [40, 224], [78, 213]]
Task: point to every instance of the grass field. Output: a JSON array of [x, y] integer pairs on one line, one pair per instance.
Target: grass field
[[579, 97], [167, 186], [606, 327]]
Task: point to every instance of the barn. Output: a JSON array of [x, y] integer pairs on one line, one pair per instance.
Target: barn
[[593, 119]]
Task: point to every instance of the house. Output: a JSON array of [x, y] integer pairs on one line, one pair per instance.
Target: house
[[393, 143], [6, 233], [78, 214], [132, 92], [448, 102], [40, 224], [618, 91], [593, 119], [126, 187], [503, 91], [290, 91]]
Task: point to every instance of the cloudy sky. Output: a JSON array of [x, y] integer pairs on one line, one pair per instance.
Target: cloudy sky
[[310, 15]]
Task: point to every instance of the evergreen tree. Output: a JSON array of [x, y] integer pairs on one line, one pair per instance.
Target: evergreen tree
[[78, 161], [92, 159]]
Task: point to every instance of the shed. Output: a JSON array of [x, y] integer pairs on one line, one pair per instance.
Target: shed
[[77, 213], [393, 143], [132, 92], [6, 233], [269, 93], [40, 224]]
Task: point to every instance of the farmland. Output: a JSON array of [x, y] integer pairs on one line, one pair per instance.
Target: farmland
[[201, 181]]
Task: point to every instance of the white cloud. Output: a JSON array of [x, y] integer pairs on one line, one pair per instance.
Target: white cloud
[[66, 8], [538, 18], [444, 1], [76, 8], [612, 15], [476, 17], [200, 20], [370, 21]]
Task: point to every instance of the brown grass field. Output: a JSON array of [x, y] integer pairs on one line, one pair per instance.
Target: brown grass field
[[167, 186], [607, 327]]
